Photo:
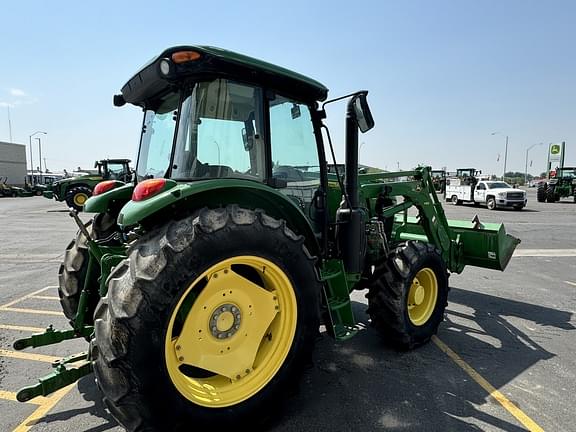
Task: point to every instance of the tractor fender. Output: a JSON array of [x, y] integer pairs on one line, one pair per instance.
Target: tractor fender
[[188, 197], [102, 203]]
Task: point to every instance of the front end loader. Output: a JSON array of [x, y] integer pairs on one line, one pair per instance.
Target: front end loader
[[201, 286]]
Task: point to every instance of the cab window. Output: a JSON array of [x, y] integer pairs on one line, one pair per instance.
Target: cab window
[[294, 150]]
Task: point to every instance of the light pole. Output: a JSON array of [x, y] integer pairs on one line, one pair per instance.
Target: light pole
[[505, 154], [31, 162], [526, 167], [40, 157]]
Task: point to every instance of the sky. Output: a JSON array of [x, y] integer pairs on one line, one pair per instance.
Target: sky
[[447, 80]]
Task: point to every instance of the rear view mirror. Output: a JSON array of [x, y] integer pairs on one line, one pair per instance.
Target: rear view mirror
[[248, 140], [362, 113]]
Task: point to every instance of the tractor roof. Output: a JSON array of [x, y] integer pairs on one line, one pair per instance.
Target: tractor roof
[[120, 161], [211, 62]]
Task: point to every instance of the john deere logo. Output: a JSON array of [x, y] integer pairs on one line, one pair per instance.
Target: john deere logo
[[555, 149]]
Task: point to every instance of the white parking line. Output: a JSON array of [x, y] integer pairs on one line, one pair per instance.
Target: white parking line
[[30, 258], [545, 253], [32, 294], [31, 311]]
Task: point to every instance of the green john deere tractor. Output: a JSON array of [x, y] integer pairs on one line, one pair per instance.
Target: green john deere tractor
[[7, 190], [76, 190], [439, 181], [561, 184], [201, 287]]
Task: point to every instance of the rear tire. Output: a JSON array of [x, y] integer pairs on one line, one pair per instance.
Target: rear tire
[[408, 295], [73, 269], [77, 196], [168, 280], [550, 195], [541, 192], [454, 200]]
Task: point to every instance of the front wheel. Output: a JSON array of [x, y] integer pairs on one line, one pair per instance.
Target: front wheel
[[408, 294], [77, 197], [491, 203], [210, 319]]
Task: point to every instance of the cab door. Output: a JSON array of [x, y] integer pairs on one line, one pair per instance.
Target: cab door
[[480, 192]]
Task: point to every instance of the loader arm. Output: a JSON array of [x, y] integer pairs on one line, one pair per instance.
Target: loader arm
[[460, 242]]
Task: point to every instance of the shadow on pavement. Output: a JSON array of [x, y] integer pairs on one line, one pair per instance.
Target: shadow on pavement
[[90, 393], [488, 336], [361, 384]]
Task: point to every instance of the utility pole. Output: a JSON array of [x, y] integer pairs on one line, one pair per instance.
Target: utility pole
[[9, 123], [505, 158], [505, 153]]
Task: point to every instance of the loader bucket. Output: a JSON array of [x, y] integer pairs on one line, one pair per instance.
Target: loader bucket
[[483, 244]]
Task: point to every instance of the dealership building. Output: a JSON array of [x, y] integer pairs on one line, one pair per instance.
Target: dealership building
[[13, 163]]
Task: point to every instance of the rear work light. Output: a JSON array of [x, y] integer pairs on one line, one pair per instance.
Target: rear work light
[[104, 186], [148, 188]]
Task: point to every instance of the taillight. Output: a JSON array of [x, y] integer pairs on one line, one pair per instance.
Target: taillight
[[104, 186], [148, 188]]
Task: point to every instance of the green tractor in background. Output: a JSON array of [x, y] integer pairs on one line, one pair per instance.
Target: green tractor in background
[[561, 184], [439, 181], [7, 190], [76, 190], [201, 287]]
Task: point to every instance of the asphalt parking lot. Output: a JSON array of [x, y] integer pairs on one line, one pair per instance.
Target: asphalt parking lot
[[504, 359]]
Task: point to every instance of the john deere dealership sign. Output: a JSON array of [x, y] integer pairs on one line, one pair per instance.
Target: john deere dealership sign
[[556, 155]]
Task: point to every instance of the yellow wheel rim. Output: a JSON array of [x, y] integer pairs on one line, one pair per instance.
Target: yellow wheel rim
[[231, 331], [422, 296], [80, 199]]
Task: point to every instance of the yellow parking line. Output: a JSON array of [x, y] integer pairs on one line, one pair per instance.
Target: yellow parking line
[[526, 421], [22, 328], [46, 297], [28, 356], [43, 409], [570, 283], [11, 396], [31, 311], [27, 296]]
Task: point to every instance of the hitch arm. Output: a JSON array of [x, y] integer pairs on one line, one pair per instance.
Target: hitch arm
[[78, 366]]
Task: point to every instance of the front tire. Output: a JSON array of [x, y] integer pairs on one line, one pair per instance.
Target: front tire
[[408, 295], [210, 320], [491, 203], [77, 196]]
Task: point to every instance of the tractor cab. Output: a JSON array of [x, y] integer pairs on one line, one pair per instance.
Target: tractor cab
[[211, 114], [439, 180], [114, 169], [468, 176], [567, 173]]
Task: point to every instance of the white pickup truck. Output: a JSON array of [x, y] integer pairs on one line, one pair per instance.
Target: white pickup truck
[[491, 193]]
